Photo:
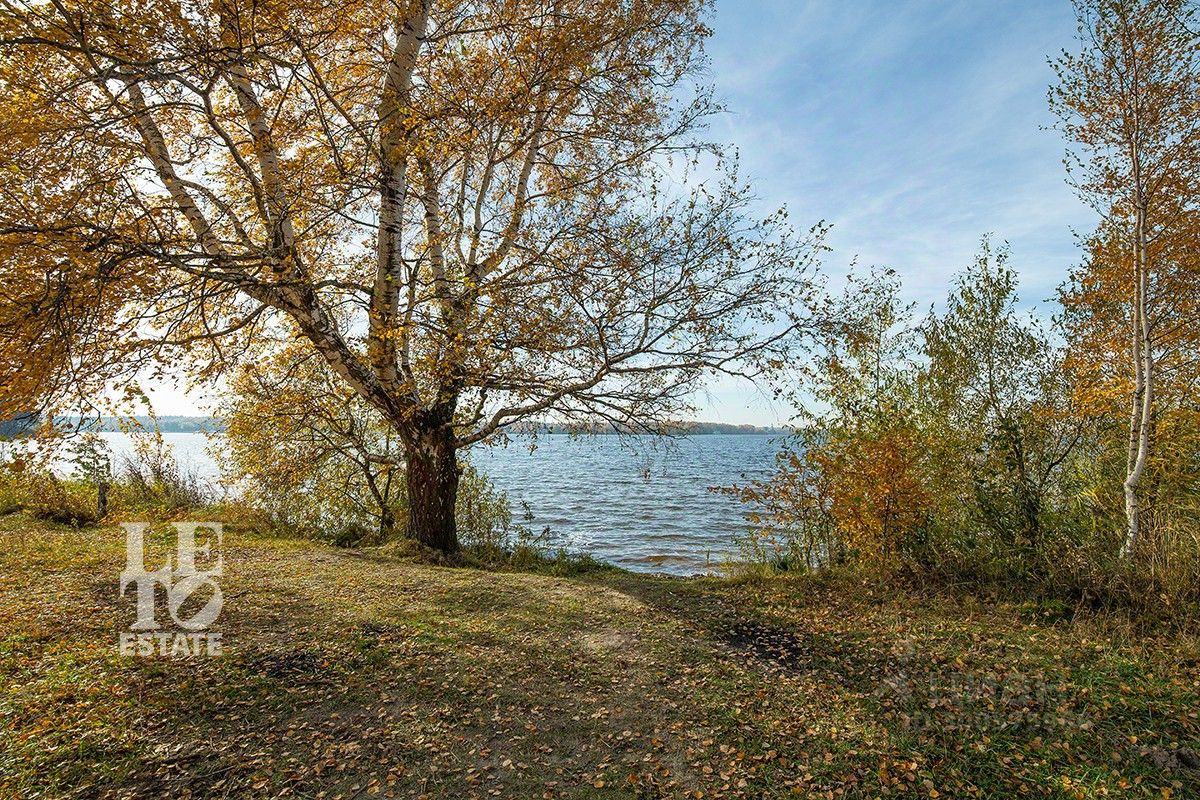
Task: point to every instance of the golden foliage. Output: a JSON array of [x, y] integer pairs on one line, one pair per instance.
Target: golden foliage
[[469, 210]]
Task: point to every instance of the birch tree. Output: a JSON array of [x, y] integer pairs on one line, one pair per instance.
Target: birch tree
[[472, 211], [1128, 100]]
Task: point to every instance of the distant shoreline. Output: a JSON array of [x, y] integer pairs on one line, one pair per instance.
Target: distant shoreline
[[168, 424], [192, 424]]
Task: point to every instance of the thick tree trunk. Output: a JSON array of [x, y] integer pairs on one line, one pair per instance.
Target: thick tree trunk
[[432, 479]]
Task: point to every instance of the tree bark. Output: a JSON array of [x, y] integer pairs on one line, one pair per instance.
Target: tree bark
[[101, 498], [432, 478], [387, 523], [1135, 429], [1143, 400]]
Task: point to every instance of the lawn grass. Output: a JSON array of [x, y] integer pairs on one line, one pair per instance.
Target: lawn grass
[[358, 674]]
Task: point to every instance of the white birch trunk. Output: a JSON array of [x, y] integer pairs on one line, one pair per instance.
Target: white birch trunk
[[1143, 398]]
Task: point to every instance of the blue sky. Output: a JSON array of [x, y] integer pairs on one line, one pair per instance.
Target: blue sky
[[913, 127]]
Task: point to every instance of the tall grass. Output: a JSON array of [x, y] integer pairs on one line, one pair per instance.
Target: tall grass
[[158, 482], [148, 482]]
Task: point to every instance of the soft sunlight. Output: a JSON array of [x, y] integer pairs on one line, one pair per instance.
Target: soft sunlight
[[599, 398]]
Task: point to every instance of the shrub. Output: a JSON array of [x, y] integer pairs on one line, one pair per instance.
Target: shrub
[[32, 488], [486, 529], [47, 497], [11, 490], [150, 481], [959, 453]]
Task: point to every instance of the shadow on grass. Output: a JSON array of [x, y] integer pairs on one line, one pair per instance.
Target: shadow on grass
[[353, 674], [943, 702]]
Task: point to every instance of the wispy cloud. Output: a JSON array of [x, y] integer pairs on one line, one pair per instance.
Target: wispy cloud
[[914, 127]]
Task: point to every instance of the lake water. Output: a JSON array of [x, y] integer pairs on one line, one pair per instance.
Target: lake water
[[643, 504]]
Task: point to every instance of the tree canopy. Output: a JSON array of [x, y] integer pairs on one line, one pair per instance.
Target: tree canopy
[[472, 211]]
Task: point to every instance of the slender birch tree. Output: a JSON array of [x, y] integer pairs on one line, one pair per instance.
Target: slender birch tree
[[473, 211], [1128, 100]]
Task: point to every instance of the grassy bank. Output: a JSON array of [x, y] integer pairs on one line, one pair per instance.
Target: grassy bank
[[357, 674]]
